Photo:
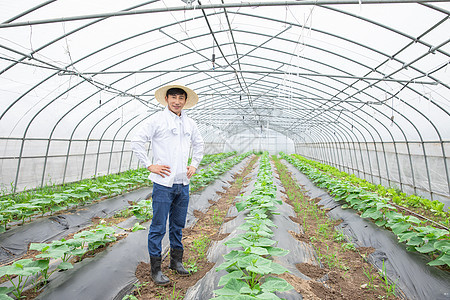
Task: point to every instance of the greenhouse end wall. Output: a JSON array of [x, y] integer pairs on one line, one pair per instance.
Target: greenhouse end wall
[[414, 167]]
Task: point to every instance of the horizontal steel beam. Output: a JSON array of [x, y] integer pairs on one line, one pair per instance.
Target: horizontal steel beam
[[413, 80], [250, 4]]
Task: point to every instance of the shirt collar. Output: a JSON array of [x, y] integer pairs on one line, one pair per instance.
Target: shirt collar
[[174, 116]]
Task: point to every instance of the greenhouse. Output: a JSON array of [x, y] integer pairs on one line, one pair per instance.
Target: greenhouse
[[319, 157]]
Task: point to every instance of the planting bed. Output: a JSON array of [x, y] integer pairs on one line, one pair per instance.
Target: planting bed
[[87, 279], [302, 244]]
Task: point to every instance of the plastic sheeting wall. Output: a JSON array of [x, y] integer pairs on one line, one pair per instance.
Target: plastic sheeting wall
[[415, 168], [59, 161], [265, 140], [68, 161]]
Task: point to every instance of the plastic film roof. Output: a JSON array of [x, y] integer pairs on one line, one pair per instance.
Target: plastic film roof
[[313, 71]]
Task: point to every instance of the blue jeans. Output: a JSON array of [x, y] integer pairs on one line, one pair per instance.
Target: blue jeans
[[167, 202]]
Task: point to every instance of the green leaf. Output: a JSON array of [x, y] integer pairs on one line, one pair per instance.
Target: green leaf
[[232, 254], [258, 250], [233, 275], [42, 264], [442, 245], [429, 247], [267, 296], [39, 246], [240, 206], [380, 222], [247, 290], [53, 253], [415, 241], [231, 288], [432, 232], [235, 242], [65, 266], [444, 259], [275, 251], [5, 290], [262, 269], [234, 297], [264, 242], [412, 219], [278, 269], [272, 284], [225, 265], [406, 236], [400, 227], [137, 227], [3, 293]]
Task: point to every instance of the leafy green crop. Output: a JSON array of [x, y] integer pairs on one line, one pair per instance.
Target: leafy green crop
[[23, 269], [62, 250], [204, 176], [20, 206], [436, 207], [142, 210], [250, 266], [408, 229], [213, 158]]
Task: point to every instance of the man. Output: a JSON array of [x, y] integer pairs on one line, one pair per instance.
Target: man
[[172, 133]]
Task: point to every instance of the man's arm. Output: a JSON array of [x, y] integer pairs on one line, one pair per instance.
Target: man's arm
[[142, 137], [138, 141]]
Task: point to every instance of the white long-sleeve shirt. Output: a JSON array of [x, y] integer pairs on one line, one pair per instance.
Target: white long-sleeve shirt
[[172, 137]]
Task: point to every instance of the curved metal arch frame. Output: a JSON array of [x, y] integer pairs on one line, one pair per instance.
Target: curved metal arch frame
[[422, 140]]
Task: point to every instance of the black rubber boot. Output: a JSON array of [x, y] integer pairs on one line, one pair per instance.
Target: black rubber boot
[[157, 275], [176, 262]]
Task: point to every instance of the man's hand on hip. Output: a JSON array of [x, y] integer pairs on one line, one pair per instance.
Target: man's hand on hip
[[161, 170], [190, 171]]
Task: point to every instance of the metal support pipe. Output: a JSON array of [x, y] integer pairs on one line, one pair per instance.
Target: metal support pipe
[[250, 4], [409, 81]]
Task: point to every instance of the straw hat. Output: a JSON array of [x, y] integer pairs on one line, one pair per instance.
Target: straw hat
[[192, 97]]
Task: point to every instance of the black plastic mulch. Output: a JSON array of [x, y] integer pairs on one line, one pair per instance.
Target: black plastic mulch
[[408, 270]]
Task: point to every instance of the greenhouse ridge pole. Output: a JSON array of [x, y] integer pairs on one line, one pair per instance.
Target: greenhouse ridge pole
[[410, 81], [213, 6]]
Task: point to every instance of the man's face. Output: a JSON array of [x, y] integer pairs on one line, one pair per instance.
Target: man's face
[[176, 103]]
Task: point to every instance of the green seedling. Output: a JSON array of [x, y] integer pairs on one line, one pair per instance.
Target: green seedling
[[370, 277], [389, 287], [191, 265], [138, 286], [217, 217], [200, 245], [142, 210], [348, 246], [137, 227], [22, 269], [249, 266]]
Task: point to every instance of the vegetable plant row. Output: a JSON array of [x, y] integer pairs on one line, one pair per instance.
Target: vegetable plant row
[[28, 204], [61, 251], [435, 207], [213, 158], [64, 250], [25, 205], [409, 229], [204, 176], [142, 210], [249, 268]]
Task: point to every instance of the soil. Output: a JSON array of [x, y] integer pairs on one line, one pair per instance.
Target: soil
[[347, 276], [207, 226], [343, 275]]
